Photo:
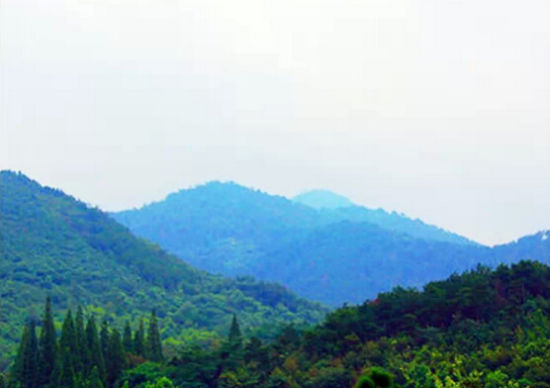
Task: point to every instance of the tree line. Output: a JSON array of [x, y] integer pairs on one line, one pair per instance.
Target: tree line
[[481, 329], [83, 355]]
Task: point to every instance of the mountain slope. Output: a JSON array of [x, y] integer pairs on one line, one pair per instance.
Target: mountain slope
[[349, 262], [532, 247], [221, 227], [51, 243], [338, 208], [335, 255], [224, 227]]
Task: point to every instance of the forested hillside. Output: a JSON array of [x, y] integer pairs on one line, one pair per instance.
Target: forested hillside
[[225, 227], [52, 244], [334, 254], [481, 329]]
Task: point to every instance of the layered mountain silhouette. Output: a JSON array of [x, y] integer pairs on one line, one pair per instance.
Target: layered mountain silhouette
[[52, 244], [318, 244]]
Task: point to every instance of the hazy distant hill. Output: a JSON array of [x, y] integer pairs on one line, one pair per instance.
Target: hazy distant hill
[[51, 243], [233, 230], [221, 227], [339, 208], [532, 247], [322, 199], [350, 262], [329, 253], [225, 227]]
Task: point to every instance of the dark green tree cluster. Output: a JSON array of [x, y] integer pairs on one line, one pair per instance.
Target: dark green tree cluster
[[82, 356], [481, 329], [50, 241]]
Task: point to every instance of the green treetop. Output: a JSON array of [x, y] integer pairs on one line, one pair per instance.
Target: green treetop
[[127, 338], [139, 339], [154, 346], [47, 345], [94, 346]]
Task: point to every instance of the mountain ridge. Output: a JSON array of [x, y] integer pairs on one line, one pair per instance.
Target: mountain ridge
[[234, 230], [50, 243]]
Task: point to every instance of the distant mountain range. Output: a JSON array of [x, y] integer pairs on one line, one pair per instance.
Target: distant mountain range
[[52, 244], [319, 244]]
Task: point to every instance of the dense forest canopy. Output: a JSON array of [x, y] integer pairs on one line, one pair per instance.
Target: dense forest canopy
[[483, 328], [331, 252], [51, 243]]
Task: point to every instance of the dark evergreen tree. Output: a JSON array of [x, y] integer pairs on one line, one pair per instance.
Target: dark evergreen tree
[[139, 340], [47, 346], [115, 360], [81, 359], [127, 338], [68, 334], [26, 365], [96, 355], [65, 378], [235, 338], [154, 346], [68, 345], [69, 356], [2, 381], [95, 380], [17, 368], [104, 339]]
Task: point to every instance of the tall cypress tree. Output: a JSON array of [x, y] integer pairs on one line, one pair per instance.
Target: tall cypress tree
[[96, 355], [68, 334], [139, 339], [154, 345], [127, 338], [82, 361], [68, 345], [26, 365], [235, 338], [66, 378], [115, 360], [47, 346], [104, 339], [95, 380], [17, 368]]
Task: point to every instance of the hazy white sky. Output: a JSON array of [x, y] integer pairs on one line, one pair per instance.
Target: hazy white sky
[[439, 109]]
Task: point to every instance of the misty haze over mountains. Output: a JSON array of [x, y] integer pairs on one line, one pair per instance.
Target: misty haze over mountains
[[319, 244]]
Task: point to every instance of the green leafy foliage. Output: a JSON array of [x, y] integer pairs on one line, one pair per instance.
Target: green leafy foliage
[[484, 328], [440, 337], [52, 244]]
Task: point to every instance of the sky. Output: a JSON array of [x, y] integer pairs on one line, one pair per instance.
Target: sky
[[439, 109]]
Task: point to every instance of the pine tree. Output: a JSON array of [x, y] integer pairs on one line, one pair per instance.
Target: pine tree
[[68, 334], [96, 355], [235, 338], [127, 338], [115, 360], [139, 340], [48, 346], [154, 345], [2, 381], [17, 368], [66, 378], [68, 348], [81, 359], [26, 364], [95, 380], [104, 339]]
